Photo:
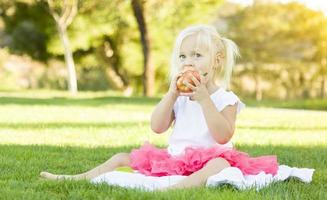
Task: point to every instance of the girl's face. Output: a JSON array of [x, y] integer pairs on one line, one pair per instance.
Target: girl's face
[[193, 56]]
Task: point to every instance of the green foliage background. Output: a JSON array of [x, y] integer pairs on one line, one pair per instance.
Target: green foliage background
[[283, 46]]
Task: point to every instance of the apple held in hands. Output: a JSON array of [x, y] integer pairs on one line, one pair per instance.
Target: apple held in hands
[[187, 77]]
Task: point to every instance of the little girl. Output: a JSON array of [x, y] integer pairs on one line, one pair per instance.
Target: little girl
[[203, 120]]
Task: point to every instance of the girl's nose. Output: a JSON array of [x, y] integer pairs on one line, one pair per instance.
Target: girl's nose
[[188, 62]]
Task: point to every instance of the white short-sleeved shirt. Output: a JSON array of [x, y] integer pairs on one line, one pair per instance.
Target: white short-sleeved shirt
[[190, 128]]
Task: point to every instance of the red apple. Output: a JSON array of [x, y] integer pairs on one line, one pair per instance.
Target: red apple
[[187, 76]]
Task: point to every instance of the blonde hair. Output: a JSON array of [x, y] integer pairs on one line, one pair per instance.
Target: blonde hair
[[207, 37]]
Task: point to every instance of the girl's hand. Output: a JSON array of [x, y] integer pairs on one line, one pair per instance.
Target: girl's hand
[[173, 85], [200, 91]]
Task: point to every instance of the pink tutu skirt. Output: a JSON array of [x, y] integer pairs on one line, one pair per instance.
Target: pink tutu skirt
[[153, 161]]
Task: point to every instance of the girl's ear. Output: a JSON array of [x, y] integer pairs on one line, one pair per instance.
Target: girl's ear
[[218, 60]]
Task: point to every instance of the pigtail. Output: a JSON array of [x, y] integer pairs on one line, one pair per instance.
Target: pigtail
[[231, 53]]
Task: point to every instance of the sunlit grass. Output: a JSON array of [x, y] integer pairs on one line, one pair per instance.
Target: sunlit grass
[[51, 130], [116, 125]]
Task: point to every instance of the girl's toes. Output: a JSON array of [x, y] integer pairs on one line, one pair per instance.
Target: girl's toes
[[48, 175], [57, 177], [44, 174]]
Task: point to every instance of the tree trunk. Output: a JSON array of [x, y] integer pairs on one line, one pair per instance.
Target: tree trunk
[[109, 53], [117, 82], [115, 59], [303, 85], [322, 87], [72, 81], [148, 72], [258, 89], [68, 12]]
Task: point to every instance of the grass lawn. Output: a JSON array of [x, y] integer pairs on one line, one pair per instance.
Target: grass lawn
[[41, 130]]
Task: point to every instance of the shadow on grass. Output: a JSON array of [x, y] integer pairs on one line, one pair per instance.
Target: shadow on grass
[[60, 125], [310, 104], [306, 104], [64, 101], [284, 127]]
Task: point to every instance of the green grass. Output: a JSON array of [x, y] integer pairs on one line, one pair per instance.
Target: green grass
[[308, 104], [41, 130]]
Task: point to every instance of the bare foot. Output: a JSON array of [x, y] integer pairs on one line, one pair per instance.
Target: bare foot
[[51, 176]]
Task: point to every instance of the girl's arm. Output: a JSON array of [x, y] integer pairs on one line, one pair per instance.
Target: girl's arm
[[163, 114], [221, 124]]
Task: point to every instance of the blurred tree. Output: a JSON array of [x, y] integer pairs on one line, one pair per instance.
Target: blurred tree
[[26, 28], [283, 43], [320, 56], [166, 18], [103, 43], [108, 42], [286, 49], [148, 73], [63, 13], [113, 36], [303, 41], [256, 36]]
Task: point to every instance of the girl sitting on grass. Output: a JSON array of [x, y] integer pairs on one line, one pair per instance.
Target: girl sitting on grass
[[203, 114]]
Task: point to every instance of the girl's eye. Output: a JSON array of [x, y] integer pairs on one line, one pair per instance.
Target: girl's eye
[[198, 55], [182, 56]]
